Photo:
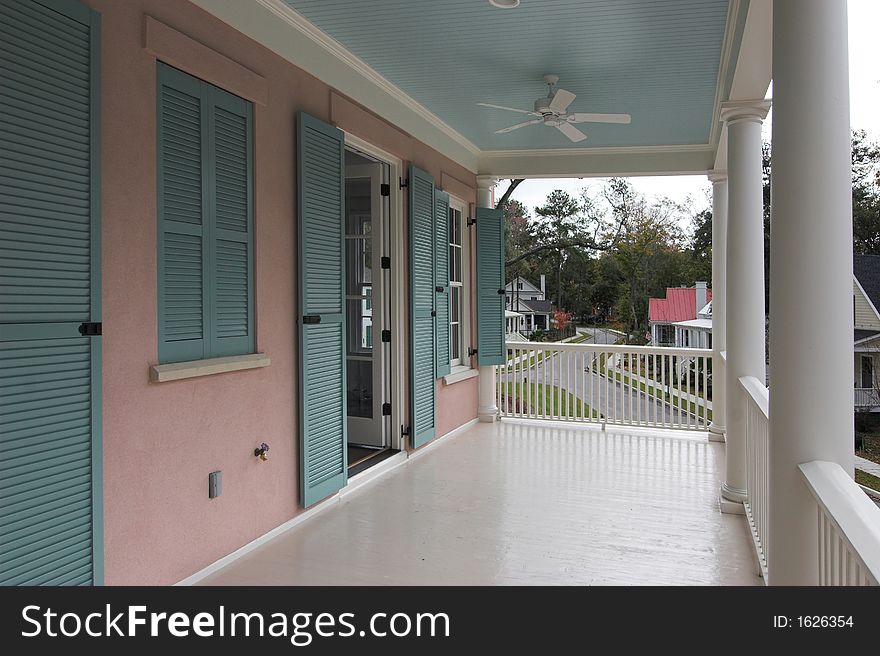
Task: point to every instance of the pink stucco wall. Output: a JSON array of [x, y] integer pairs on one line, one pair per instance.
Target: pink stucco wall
[[162, 440]]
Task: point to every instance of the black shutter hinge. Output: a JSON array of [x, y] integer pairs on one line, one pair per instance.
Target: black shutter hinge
[[386, 335], [471, 222], [440, 289], [404, 430], [311, 318], [433, 313], [404, 182], [90, 328], [386, 262], [386, 409], [471, 351], [502, 291], [385, 189]]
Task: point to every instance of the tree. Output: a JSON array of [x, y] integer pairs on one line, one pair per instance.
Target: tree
[[866, 194], [559, 223], [649, 236]]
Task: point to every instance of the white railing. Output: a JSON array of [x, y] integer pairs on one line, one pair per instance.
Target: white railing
[[849, 526], [866, 397], [757, 464], [606, 384]]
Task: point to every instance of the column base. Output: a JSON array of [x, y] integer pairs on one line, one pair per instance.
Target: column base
[[487, 415], [716, 433], [732, 500], [731, 507]]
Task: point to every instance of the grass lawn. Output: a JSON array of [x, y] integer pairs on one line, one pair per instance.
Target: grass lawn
[[554, 397], [870, 445], [863, 478]]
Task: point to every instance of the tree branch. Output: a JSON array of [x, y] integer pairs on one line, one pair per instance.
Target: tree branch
[[559, 245], [513, 185]]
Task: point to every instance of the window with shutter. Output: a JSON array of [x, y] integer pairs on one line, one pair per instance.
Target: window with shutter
[[205, 221], [444, 265]]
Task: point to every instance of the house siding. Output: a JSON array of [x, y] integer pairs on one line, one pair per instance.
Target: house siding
[[162, 440], [865, 317]]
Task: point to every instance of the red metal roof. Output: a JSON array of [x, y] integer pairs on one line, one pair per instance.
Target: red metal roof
[[680, 304]]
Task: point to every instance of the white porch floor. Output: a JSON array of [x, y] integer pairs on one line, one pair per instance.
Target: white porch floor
[[517, 503]]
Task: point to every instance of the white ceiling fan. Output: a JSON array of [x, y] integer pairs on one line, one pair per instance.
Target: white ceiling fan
[[551, 110]]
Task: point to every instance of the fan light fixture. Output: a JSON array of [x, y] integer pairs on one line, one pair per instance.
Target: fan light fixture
[[504, 4]]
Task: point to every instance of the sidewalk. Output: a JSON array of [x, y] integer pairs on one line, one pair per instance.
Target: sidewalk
[[868, 466]]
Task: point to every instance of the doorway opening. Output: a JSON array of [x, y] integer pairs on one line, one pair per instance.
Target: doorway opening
[[368, 309]]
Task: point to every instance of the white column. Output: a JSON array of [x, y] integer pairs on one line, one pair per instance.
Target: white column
[[719, 301], [487, 410], [811, 404], [745, 284]]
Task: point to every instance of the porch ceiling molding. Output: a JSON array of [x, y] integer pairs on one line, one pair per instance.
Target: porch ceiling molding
[[598, 162], [282, 29]]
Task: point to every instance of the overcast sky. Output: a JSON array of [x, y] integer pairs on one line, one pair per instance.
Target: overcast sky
[[864, 80]]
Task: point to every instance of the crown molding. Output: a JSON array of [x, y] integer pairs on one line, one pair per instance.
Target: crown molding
[[321, 39], [580, 152]]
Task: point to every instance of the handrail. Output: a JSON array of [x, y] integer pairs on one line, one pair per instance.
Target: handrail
[[758, 393], [612, 348], [849, 526]]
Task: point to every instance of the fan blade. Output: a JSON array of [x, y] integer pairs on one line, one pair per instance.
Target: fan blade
[[578, 117], [561, 100], [518, 126], [509, 109], [571, 132]]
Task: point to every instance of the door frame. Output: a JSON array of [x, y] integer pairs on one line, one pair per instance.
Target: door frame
[[397, 372]]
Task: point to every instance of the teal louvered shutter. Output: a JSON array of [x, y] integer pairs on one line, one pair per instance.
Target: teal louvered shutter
[[205, 200], [50, 374], [230, 185], [182, 133], [490, 282], [441, 236], [322, 399], [422, 237]]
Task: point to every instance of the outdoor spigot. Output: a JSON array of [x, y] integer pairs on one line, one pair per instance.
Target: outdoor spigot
[[262, 452]]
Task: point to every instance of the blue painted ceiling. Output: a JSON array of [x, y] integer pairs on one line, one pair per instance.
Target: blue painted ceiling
[[657, 60]]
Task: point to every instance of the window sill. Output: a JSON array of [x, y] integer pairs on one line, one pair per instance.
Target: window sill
[[459, 374], [163, 373]]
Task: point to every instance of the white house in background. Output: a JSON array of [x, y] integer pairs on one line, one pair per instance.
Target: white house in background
[[683, 318], [514, 324], [695, 333], [866, 336], [525, 298]]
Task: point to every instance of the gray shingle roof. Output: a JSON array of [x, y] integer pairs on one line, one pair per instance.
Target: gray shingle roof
[[860, 333], [867, 271], [541, 307]]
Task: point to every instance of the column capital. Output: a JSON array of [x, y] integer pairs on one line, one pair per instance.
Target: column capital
[[736, 111], [486, 182], [716, 176]]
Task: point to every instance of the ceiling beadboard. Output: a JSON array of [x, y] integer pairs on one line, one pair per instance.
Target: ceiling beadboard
[[657, 60]]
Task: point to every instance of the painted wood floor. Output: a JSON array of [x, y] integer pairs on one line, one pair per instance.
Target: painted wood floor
[[515, 503]]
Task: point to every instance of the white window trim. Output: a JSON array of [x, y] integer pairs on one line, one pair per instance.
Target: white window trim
[[462, 363]]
